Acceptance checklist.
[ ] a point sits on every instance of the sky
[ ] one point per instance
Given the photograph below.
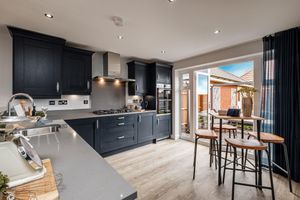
(238, 69)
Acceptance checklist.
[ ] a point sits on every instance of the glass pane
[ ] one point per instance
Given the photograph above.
(185, 104)
(202, 93)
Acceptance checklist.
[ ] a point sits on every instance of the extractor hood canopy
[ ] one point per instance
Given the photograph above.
(111, 68)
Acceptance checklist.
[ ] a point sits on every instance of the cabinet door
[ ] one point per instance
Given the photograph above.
(77, 70)
(86, 128)
(163, 75)
(163, 126)
(137, 71)
(37, 68)
(145, 127)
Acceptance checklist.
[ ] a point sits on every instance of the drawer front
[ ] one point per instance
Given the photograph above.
(119, 119)
(117, 135)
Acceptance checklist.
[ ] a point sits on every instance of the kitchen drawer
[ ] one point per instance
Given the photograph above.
(117, 135)
(119, 119)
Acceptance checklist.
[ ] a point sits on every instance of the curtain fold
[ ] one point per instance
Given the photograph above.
(267, 88)
(287, 97)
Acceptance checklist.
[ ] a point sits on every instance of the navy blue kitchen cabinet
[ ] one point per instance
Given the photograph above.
(37, 62)
(163, 73)
(117, 132)
(139, 72)
(86, 128)
(77, 71)
(145, 127)
(163, 126)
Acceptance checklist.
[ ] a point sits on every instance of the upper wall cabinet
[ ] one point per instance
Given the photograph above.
(137, 71)
(77, 71)
(37, 60)
(162, 72)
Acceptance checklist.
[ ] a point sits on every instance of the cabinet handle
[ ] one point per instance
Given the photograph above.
(97, 124)
(88, 85)
(136, 87)
(157, 121)
(121, 137)
(121, 124)
(57, 86)
(140, 118)
(121, 118)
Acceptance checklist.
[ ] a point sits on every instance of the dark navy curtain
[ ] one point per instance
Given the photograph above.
(267, 88)
(287, 97)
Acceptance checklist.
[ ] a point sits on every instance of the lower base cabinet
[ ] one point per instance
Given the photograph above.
(163, 126)
(86, 128)
(145, 127)
(114, 133)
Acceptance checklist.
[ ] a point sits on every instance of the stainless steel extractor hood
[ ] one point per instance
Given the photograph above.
(111, 68)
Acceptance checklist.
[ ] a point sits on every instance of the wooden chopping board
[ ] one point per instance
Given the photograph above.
(42, 189)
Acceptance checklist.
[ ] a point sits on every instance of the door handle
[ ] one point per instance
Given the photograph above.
(57, 86)
(121, 118)
(121, 124)
(88, 85)
(121, 137)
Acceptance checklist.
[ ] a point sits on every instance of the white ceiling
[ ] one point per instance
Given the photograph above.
(183, 29)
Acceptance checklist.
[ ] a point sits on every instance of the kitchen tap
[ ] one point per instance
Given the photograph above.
(18, 95)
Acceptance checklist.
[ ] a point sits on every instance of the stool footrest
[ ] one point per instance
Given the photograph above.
(250, 185)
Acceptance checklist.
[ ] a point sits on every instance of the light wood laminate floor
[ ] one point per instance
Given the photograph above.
(164, 171)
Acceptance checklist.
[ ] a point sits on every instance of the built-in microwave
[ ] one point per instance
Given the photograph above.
(164, 98)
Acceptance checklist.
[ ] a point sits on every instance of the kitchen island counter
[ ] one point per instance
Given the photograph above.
(86, 175)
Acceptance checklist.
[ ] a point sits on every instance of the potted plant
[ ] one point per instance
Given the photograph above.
(3, 184)
(247, 99)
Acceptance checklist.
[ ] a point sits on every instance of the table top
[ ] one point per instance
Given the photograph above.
(216, 115)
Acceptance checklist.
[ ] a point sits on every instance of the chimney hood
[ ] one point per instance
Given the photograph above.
(111, 68)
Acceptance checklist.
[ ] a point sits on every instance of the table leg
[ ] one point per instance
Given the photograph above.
(259, 155)
(242, 134)
(220, 154)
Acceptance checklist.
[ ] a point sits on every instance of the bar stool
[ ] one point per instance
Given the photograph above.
(212, 136)
(227, 127)
(245, 144)
(275, 139)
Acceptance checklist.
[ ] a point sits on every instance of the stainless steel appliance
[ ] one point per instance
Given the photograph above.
(164, 98)
(112, 111)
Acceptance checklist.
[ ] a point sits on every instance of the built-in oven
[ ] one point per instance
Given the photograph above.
(164, 98)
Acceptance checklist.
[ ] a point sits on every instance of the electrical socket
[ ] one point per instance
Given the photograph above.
(51, 103)
(63, 102)
(85, 101)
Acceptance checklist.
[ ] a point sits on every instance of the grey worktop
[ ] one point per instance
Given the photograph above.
(86, 175)
(81, 114)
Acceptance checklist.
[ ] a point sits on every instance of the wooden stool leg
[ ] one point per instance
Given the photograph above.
(233, 173)
(225, 164)
(270, 173)
(195, 156)
(286, 156)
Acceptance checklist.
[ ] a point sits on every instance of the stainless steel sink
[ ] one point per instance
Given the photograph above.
(36, 131)
(12, 119)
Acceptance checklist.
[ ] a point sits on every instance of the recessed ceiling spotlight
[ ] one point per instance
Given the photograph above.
(217, 31)
(163, 51)
(171, 1)
(48, 15)
(120, 37)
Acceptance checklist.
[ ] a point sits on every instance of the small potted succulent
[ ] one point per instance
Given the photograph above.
(3, 184)
(247, 99)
